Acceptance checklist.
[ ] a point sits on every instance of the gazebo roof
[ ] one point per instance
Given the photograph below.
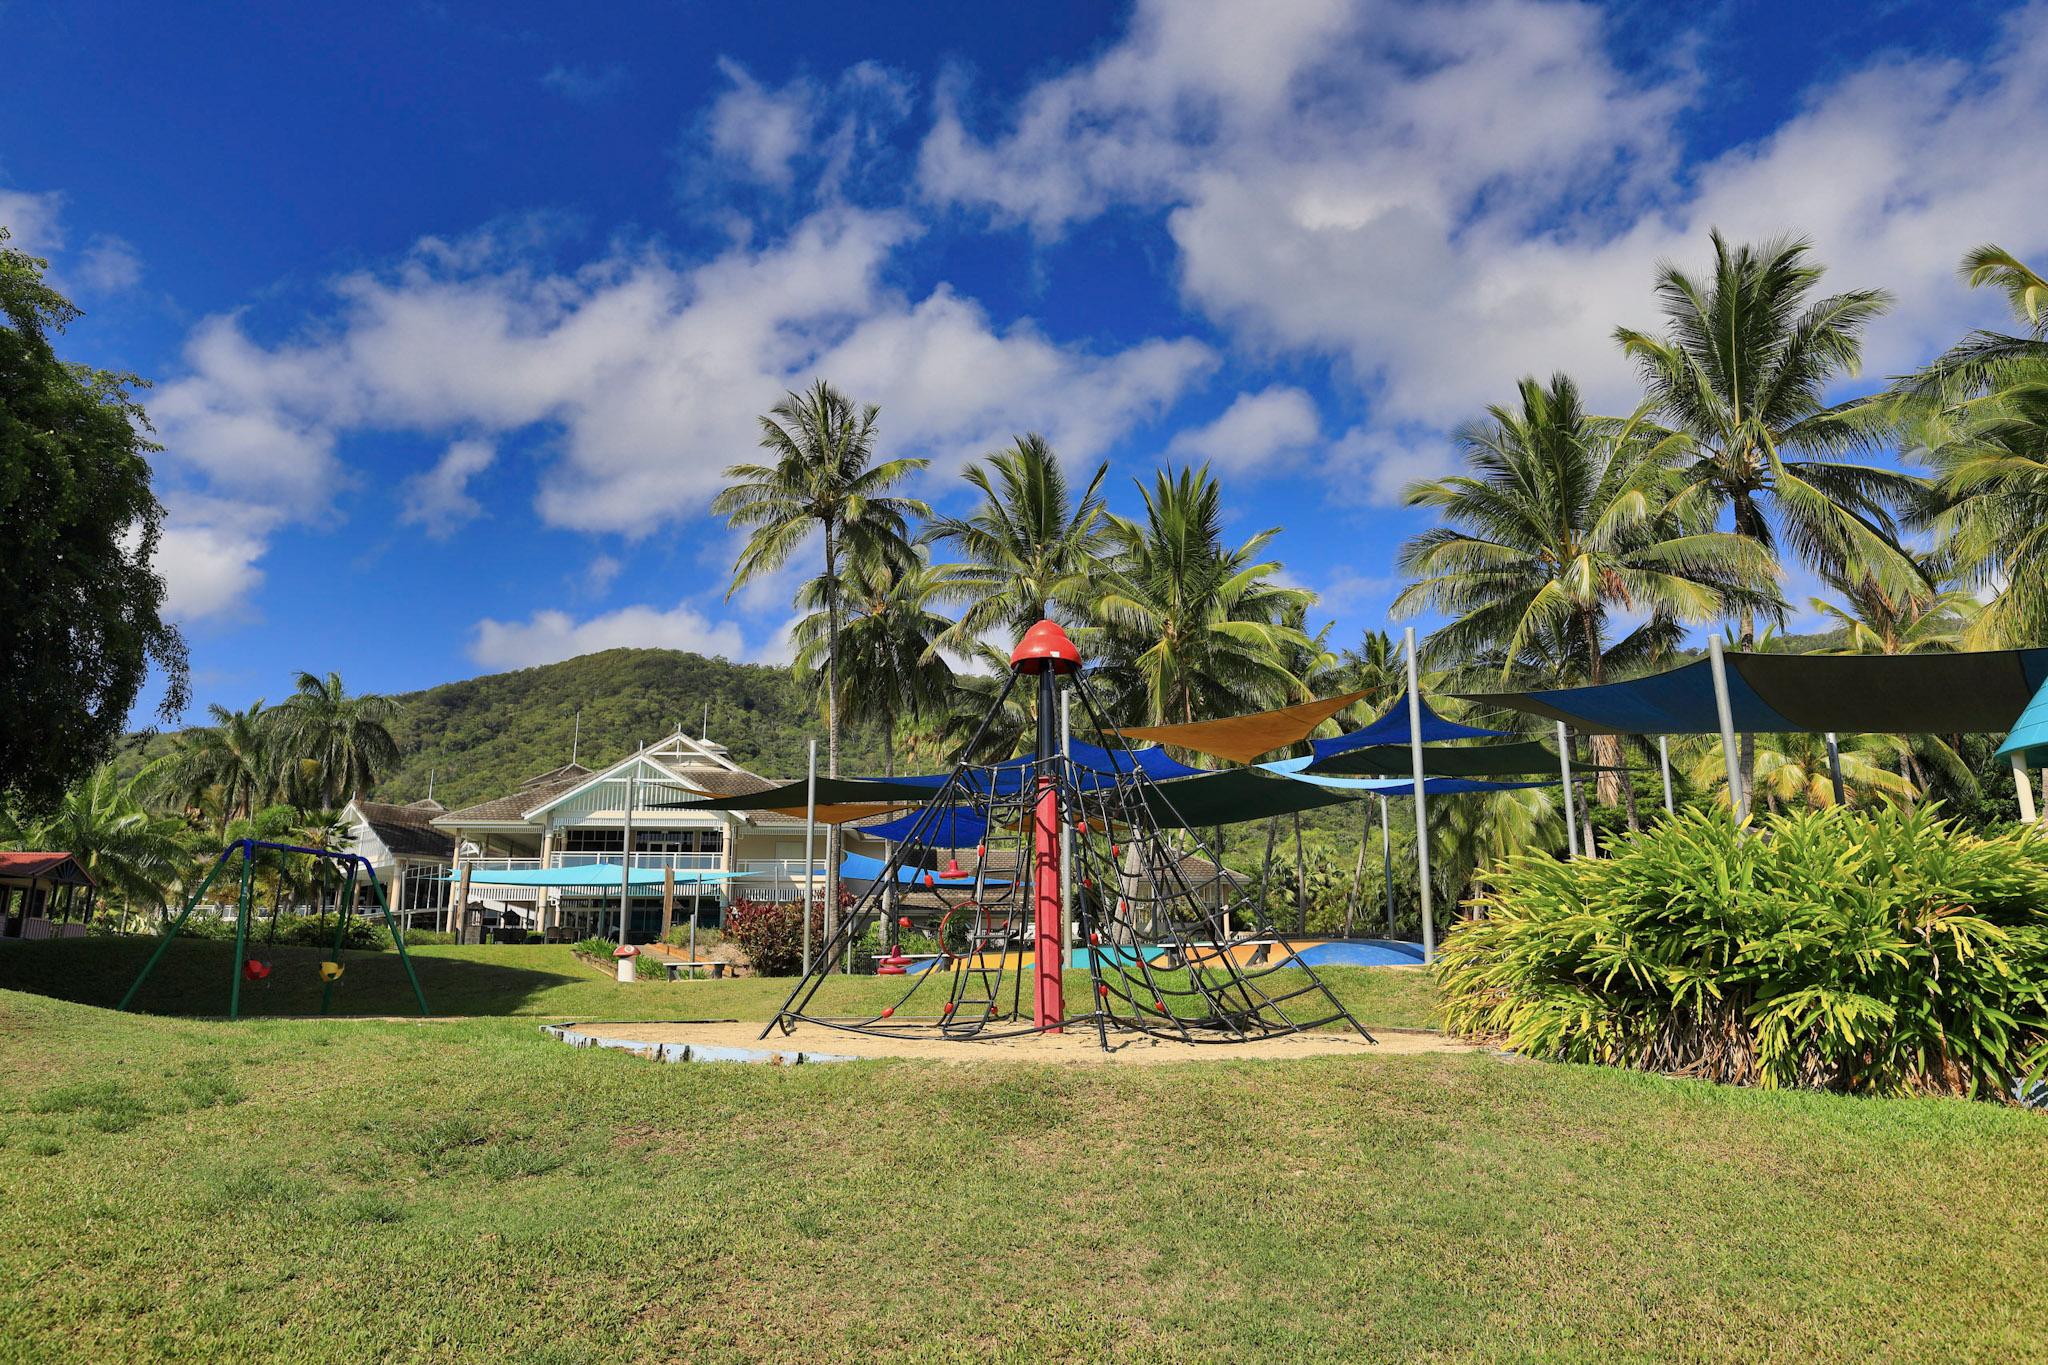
(58, 869)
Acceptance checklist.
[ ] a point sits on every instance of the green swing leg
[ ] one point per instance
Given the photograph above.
(176, 925)
(241, 930)
(397, 939)
(348, 907)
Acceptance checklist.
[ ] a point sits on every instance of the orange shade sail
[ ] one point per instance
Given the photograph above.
(1243, 738)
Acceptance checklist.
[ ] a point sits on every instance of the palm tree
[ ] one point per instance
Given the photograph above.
(1029, 549)
(824, 478)
(342, 744)
(893, 669)
(1377, 669)
(1741, 373)
(1793, 769)
(132, 855)
(233, 761)
(1986, 361)
(1564, 521)
(1193, 627)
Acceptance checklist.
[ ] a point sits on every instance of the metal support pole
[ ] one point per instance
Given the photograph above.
(1421, 799)
(241, 928)
(625, 858)
(2028, 814)
(170, 932)
(810, 850)
(1564, 775)
(1066, 839)
(1664, 761)
(1835, 768)
(1048, 1003)
(1738, 799)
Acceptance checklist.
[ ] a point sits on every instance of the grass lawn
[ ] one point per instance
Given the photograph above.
(355, 1190)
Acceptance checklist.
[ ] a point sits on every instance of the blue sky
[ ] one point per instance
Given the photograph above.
(455, 312)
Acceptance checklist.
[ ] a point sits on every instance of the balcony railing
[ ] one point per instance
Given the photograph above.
(681, 861)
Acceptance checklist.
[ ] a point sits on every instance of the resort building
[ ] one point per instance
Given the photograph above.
(573, 817)
(410, 856)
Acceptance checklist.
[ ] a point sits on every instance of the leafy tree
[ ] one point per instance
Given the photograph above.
(1194, 627)
(1740, 371)
(344, 743)
(1565, 521)
(892, 669)
(824, 479)
(132, 855)
(1029, 550)
(83, 600)
(233, 762)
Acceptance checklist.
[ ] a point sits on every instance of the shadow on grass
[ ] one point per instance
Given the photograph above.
(195, 975)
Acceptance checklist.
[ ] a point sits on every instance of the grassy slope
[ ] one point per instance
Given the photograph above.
(503, 980)
(175, 1188)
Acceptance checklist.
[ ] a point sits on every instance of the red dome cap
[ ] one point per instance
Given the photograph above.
(1045, 645)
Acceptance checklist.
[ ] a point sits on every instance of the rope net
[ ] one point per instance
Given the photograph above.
(1172, 946)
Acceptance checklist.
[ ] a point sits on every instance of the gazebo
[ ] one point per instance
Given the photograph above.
(39, 895)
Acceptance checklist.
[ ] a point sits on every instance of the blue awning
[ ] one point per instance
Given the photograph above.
(1094, 767)
(950, 827)
(1886, 694)
(1431, 786)
(858, 867)
(1394, 728)
(2029, 737)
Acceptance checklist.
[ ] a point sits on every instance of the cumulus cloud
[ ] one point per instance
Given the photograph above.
(817, 136)
(550, 636)
(1448, 201)
(109, 264)
(1256, 429)
(34, 221)
(208, 570)
(646, 371)
(439, 499)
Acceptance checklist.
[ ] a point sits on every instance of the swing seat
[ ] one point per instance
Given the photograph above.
(255, 969)
(330, 971)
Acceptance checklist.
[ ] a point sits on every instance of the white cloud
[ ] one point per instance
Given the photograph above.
(602, 572)
(33, 221)
(817, 136)
(439, 499)
(761, 130)
(550, 636)
(586, 84)
(1256, 429)
(109, 264)
(208, 571)
(1448, 199)
(647, 373)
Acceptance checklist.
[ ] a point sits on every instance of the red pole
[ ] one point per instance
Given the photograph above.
(1046, 651)
(1050, 1004)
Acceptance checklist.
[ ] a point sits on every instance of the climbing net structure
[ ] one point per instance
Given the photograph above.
(1080, 859)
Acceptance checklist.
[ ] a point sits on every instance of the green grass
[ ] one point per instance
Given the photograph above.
(537, 982)
(176, 1188)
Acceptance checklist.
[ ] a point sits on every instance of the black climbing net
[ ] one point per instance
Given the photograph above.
(1173, 947)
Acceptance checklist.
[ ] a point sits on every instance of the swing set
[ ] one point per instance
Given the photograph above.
(252, 968)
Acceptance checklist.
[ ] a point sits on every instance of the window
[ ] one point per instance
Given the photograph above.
(581, 840)
(424, 888)
(664, 841)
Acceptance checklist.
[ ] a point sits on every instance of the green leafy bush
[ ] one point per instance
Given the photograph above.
(595, 947)
(302, 931)
(1882, 952)
(771, 933)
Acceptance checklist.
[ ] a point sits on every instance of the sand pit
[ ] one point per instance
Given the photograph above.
(734, 1041)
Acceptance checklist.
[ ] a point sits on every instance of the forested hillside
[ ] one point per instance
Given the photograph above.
(480, 737)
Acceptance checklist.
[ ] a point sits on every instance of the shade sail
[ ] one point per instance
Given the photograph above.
(2029, 737)
(1521, 759)
(1394, 728)
(1094, 767)
(946, 827)
(858, 867)
(593, 874)
(1243, 738)
(1431, 786)
(1229, 798)
(840, 799)
(1896, 694)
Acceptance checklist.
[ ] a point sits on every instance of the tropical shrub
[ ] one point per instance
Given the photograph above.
(771, 933)
(1878, 952)
(301, 931)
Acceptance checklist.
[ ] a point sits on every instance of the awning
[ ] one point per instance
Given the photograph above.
(1243, 738)
(1893, 694)
(2029, 738)
(950, 827)
(592, 875)
(840, 799)
(1431, 786)
(1233, 797)
(1394, 728)
(858, 867)
(1521, 759)
(1094, 767)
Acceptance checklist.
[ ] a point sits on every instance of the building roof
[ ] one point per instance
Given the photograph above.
(408, 830)
(534, 791)
(57, 868)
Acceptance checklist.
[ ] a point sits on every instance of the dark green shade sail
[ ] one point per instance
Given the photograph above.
(1528, 758)
(1849, 694)
(1232, 797)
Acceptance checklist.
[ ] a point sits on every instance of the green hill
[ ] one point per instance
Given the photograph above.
(478, 738)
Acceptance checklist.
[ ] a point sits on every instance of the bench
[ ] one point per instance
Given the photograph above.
(677, 966)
